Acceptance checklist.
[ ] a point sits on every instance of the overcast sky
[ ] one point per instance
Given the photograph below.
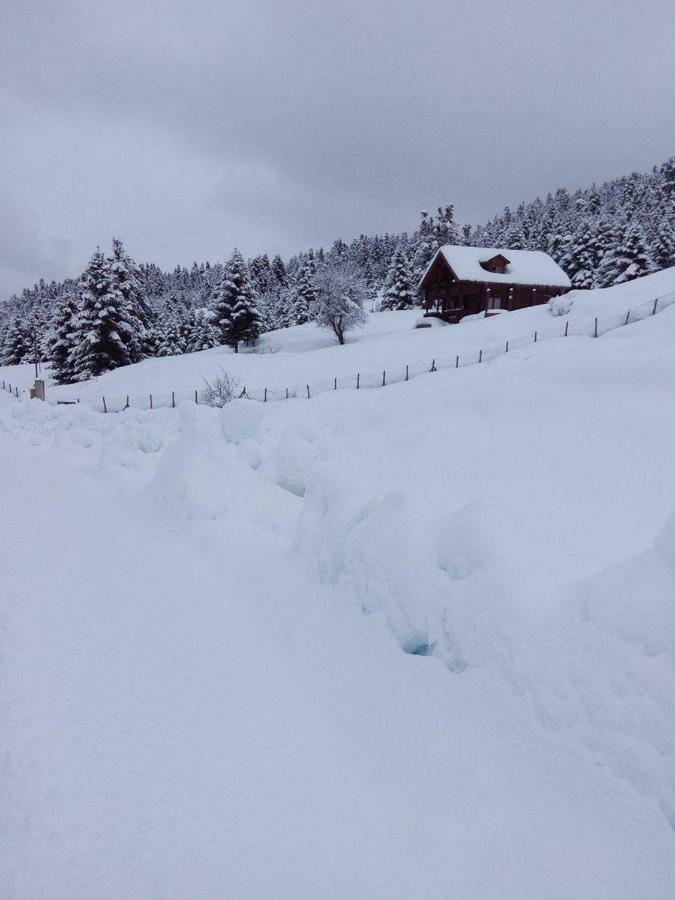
(189, 127)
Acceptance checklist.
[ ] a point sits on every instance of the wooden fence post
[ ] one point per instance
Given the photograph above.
(507, 347)
(384, 378)
(595, 327)
(535, 337)
(196, 399)
(480, 357)
(287, 393)
(567, 325)
(308, 392)
(457, 363)
(173, 399)
(358, 379)
(627, 318)
(16, 392)
(105, 408)
(150, 401)
(433, 365)
(656, 303)
(127, 406)
(265, 397)
(406, 373)
(336, 384)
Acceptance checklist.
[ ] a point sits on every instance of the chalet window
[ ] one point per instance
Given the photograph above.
(496, 264)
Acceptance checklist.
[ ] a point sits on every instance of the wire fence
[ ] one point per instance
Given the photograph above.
(365, 380)
(14, 391)
(564, 328)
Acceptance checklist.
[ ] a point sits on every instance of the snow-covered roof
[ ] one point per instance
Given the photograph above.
(525, 266)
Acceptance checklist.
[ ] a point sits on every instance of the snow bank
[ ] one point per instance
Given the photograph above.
(459, 512)
(562, 306)
(429, 322)
(203, 689)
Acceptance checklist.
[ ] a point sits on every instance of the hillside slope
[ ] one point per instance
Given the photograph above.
(196, 704)
(294, 357)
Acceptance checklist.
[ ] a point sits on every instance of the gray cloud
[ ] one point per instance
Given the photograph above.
(189, 127)
(23, 250)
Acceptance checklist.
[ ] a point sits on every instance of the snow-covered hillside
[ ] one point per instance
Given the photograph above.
(204, 613)
(294, 357)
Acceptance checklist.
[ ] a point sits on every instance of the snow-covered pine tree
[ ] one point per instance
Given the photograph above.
(338, 251)
(514, 239)
(267, 308)
(284, 318)
(185, 328)
(667, 178)
(531, 217)
(169, 336)
(371, 282)
(581, 257)
(558, 244)
(399, 291)
(541, 231)
(200, 335)
(593, 201)
(302, 296)
(153, 280)
(607, 236)
(562, 200)
(63, 340)
(129, 281)
(368, 276)
(426, 244)
(260, 273)
(172, 332)
(35, 330)
(235, 312)
(629, 259)
(221, 308)
(16, 343)
(663, 248)
(445, 228)
(106, 336)
(279, 271)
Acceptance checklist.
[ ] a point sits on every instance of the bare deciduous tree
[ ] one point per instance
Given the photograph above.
(340, 292)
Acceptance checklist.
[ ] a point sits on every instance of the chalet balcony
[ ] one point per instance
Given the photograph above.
(450, 315)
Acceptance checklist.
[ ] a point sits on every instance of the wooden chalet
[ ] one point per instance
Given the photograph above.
(462, 281)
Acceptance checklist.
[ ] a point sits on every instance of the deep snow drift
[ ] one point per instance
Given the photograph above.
(195, 704)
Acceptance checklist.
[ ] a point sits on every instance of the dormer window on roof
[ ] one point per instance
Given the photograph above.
(496, 264)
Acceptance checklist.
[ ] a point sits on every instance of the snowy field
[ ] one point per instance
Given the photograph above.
(204, 615)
